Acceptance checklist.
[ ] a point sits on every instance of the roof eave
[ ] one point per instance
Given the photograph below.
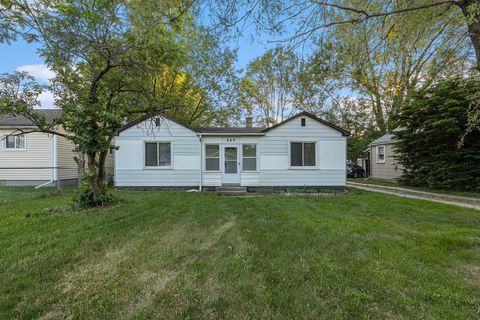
(230, 134)
(382, 143)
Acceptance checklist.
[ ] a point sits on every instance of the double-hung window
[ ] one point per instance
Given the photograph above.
(302, 154)
(14, 142)
(380, 154)
(212, 157)
(158, 154)
(249, 157)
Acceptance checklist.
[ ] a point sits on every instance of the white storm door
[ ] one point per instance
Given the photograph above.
(231, 165)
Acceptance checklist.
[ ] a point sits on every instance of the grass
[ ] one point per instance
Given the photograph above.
(391, 183)
(199, 256)
(25, 193)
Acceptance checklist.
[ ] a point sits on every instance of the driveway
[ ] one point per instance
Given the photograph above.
(466, 202)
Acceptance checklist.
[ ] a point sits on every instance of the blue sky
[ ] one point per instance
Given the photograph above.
(23, 56)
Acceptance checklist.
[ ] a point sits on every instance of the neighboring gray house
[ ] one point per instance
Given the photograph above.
(380, 159)
(160, 151)
(36, 158)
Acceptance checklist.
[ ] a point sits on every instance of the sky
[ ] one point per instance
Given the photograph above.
(22, 56)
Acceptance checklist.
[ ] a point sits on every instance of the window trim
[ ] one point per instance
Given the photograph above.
(205, 157)
(256, 157)
(4, 142)
(145, 167)
(377, 159)
(303, 154)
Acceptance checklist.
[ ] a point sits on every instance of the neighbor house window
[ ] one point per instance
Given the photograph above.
(249, 157)
(14, 141)
(303, 122)
(302, 154)
(381, 154)
(212, 157)
(158, 154)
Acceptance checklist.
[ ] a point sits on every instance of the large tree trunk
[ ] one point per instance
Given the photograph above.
(80, 161)
(471, 11)
(93, 176)
(101, 168)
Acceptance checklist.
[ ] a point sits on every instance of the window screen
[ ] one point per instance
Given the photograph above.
(302, 154)
(151, 154)
(212, 157)
(249, 157)
(15, 142)
(158, 154)
(381, 153)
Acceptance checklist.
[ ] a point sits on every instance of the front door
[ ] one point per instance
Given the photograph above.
(231, 172)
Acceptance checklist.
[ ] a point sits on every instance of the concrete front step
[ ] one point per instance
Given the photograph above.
(231, 191)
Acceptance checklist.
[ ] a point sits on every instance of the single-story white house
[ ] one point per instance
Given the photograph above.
(160, 151)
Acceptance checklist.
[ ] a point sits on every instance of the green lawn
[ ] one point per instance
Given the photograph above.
(200, 256)
(16, 194)
(390, 183)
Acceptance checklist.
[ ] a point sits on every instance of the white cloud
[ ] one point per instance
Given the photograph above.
(40, 71)
(46, 100)
(43, 74)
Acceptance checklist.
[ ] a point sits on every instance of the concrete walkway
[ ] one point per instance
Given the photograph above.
(466, 202)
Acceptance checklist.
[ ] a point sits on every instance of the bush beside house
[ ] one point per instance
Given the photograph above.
(435, 121)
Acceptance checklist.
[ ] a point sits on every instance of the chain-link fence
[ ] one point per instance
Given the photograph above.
(28, 183)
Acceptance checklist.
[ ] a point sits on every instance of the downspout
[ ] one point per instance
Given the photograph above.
(54, 163)
(201, 162)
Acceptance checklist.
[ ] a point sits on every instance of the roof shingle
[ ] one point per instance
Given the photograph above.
(21, 121)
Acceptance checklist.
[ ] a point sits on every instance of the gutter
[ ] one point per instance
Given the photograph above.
(54, 163)
(201, 162)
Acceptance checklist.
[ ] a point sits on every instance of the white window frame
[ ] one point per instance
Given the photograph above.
(4, 142)
(303, 154)
(249, 157)
(158, 155)
(378, 160)
(219, 157)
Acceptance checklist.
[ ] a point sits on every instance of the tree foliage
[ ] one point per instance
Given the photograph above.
(433, 121)
(278, 84)
(382, 62)
(114, 60)
(375, 50)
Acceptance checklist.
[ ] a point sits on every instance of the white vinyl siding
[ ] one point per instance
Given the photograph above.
(390, 169)
(67, 167)
(33, 163)
(195, 161)
(330, 155)
(130, 169)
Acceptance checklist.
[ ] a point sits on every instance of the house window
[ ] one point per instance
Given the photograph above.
(249, 157)
(302, 122)
(14, 141)
(381, 154)
(302, 154)
(158, 154)
(212, 157)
